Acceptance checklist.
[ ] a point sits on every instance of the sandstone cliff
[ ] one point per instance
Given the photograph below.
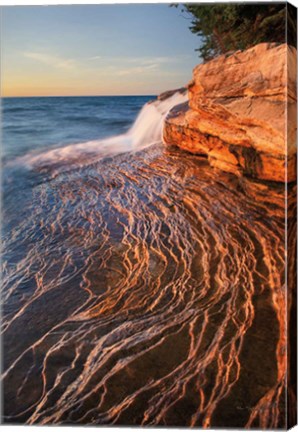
(241, 113)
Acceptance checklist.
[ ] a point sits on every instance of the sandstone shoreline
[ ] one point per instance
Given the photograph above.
(241, 113)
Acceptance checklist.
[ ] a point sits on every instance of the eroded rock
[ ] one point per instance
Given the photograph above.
(242, 113)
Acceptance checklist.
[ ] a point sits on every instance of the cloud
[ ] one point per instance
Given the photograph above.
(156, 60)
(138, 69)
(120, 66)
(140, 65)
(159, 60)
(51, 60)
(95, 58)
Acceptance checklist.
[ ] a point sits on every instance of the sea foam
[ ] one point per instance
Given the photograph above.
(146, 131)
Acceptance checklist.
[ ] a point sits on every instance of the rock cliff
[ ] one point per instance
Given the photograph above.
(241, 113)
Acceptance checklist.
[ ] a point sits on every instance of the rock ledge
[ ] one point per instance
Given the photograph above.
(241, 113)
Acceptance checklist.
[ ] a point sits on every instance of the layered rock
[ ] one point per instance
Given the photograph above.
(241, 113)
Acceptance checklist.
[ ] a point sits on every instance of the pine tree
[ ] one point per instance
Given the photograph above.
(229, 27)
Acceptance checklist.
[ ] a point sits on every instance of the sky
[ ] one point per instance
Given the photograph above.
(77, 50)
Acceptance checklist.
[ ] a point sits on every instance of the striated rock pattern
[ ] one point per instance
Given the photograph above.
(238, 110)
(148, 291)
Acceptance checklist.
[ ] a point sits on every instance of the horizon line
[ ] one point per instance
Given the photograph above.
(37, 96)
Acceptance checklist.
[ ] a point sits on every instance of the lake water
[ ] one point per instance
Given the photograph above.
(140, 286)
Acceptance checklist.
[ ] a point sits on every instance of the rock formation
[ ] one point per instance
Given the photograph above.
(241, 113)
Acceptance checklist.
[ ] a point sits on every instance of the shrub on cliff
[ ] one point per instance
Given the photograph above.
(229, 27)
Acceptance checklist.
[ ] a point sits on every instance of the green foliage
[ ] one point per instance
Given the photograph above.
(291, 25)
(225, 27)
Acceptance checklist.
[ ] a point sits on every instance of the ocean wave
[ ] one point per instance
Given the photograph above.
(146, 130)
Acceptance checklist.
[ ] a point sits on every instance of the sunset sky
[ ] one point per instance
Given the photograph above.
(95, 50)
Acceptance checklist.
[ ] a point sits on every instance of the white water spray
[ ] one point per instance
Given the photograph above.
(146, 130)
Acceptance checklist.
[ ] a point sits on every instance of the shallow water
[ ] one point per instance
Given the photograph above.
(143, 288)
